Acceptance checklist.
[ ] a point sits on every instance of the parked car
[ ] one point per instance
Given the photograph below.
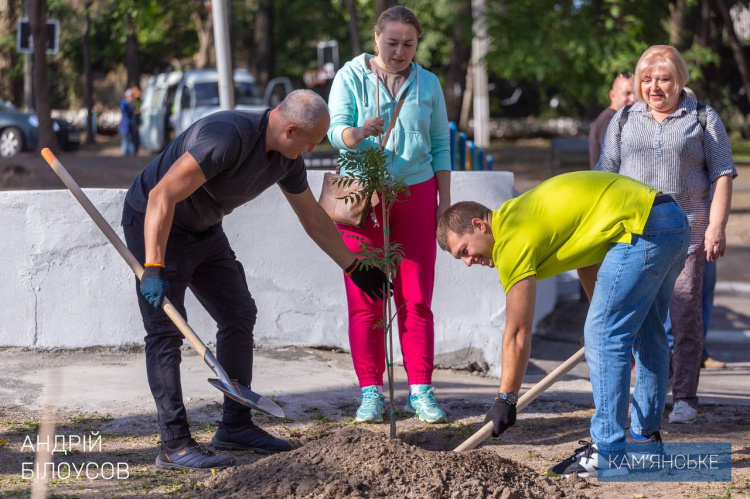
(173, 101)
(20, 131)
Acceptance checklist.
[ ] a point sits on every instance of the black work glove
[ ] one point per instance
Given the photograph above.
(371, 281)
(154, 287)
(502, 415)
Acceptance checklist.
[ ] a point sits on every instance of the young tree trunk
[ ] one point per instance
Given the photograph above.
(38, 21)
(205, 31)
(460, 57)
(263, 62)
(351, 8)
(7, 13)
(734, 42)
(88, 79)
(131, 53)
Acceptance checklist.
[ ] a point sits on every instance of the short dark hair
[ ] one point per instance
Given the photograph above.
(457, 219)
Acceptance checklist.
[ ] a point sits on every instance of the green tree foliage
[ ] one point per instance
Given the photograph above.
(572, 49)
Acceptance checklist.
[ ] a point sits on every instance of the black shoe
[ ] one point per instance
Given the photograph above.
(655, 437)
(192, 456)
(584, 462)
(651, 445)
(248, 437)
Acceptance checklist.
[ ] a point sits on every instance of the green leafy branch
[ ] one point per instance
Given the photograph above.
(370, 168)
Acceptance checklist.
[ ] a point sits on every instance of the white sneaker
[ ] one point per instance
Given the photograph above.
(683, 413)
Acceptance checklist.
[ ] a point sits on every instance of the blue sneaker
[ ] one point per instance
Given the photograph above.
(371, 407)
(424, 405)
(192, 456)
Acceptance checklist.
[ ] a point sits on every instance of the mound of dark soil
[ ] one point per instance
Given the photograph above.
(354, 462)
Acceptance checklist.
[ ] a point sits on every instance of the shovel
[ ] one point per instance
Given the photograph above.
(229, 387)
(486, 431)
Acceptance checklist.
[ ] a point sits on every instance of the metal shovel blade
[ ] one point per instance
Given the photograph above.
(246, 396)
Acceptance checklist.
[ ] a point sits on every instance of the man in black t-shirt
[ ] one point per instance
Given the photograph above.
(621, 94)
(172, 222)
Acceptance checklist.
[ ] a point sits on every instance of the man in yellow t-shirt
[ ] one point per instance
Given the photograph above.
(628, 243)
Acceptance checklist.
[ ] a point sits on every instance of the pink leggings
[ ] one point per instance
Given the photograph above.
(413, 225)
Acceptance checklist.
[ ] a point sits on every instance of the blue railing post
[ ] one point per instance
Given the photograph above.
(480, 159)
(462, 151)
(490, 162)
(453, 130)
(471, 156)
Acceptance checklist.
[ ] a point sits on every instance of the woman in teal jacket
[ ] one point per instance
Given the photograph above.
(418, 150)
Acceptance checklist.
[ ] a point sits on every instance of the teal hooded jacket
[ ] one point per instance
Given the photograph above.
(419, 144)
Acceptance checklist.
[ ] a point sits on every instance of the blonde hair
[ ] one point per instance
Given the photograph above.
(664, 57)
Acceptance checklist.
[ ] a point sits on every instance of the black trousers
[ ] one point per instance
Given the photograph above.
(205, 263)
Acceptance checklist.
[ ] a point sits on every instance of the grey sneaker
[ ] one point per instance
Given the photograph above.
(683, 413)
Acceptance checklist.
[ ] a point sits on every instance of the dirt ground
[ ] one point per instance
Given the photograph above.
(335, 458)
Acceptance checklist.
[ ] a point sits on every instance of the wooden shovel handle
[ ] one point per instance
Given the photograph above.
(486, 431)
(123, 250)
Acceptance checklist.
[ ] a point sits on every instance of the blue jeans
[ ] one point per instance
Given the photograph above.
(127, 146)
(627, 313)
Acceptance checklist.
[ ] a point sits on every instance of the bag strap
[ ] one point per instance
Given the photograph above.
(701, 109)
(395, 116)
(624, 116)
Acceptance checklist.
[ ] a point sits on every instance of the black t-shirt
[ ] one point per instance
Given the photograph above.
(230, 147)
(597, 133)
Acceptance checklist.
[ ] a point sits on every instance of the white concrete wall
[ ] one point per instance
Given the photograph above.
(63, 285)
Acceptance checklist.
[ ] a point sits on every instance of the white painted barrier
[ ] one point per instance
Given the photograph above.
(64, 286)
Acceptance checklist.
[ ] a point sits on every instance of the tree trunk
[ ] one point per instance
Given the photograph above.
(205, 31)
(88, 79)
(463, 122)
(7, 13)
(679, 26)
(262, 63)
(131, 53)
(38, 21)
(734, 42)
(351, 8)
(382, 5)
(702, 38)
(460, 56)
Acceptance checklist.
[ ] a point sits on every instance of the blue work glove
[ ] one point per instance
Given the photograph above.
(153, 285)
(503, 416)
(371, 281)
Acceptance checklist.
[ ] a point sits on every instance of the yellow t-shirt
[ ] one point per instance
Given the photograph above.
(566, 223)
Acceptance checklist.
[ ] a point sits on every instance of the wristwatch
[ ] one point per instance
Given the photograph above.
(510, 398)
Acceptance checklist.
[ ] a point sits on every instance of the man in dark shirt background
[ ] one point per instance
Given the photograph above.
(172, 222)
(622, 94)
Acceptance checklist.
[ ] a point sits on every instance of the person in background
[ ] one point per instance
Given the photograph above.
(663, 144)
(418, 151)
(136, 118)
(127, 124)
(621, 94)
(709, 285)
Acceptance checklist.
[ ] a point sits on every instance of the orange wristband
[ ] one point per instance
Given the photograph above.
(161, 265)
(349, 274)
